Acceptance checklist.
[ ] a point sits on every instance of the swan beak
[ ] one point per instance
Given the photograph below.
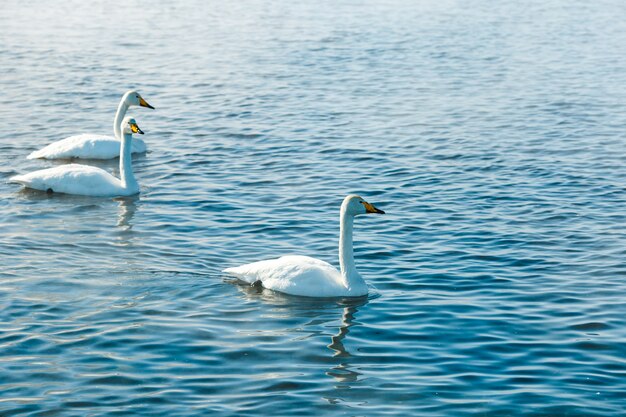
(144, 103)
(135, 128)
(369, 208)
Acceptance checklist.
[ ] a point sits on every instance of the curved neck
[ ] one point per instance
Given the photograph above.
(126, 169)
(119, 115)
(346, 256)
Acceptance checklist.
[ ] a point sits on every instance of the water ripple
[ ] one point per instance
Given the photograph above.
(491, 134)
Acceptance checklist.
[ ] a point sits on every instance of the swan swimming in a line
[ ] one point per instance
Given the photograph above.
(91, 146)
(88, 180)
(310, 277)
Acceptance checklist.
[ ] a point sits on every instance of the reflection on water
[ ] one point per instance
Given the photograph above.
(346, 321)
(127, 208)
(487, 128)
(315, 313)
(343, 372)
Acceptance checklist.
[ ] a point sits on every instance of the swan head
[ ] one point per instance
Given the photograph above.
(133, 98)
(129, 126)
(355, 205)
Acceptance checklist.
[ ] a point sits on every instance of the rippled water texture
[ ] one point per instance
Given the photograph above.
(492, 134)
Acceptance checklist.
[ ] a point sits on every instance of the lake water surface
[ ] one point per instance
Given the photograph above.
(492, 133)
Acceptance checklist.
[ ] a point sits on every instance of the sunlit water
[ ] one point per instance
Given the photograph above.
(492, 135)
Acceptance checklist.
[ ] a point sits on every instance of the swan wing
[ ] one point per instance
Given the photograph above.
(293, 274)
(138, 146)
(72, 179)
(86, 146)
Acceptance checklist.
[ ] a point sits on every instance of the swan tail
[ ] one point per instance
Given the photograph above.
(240, 272)
(233, 271)
(19, 179)
(36, 154)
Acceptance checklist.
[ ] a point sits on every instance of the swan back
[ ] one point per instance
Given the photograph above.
(295, 275)
(73, 179)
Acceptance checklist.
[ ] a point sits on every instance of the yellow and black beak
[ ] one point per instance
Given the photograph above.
(144, 103)
(135, 129)
(369, 208)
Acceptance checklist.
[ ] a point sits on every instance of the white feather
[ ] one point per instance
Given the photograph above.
(86, 146)
(294, 274)
(88, 180)
(310, 277)
(90, 146)
(73, 179)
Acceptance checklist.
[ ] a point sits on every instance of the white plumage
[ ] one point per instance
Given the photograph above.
(91, 146)
(86, 146)
(294, 274)
(74, 179)
(310, 277)
(88, 180)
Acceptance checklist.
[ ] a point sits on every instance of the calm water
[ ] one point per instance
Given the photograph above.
(492, 135)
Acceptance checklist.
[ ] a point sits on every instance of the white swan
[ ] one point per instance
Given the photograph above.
(310, 277)
(89, 180)
(90, 146)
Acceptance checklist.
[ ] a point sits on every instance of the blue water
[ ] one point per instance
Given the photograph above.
(492, 133)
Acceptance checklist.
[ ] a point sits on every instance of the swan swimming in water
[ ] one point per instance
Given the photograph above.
(310, 277)
(90, 146)
(88, 180)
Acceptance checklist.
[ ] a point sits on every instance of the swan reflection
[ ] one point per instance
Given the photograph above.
(343, 372)
(337, 340)
(318, 314)
(127, 208)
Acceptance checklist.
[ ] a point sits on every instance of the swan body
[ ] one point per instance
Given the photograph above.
(296, 275)
(74, 179)
(91, 146)
(88, 180)
(86, 146)
(310, 277)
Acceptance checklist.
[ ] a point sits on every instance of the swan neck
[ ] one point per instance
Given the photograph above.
(122, 108)
(346, 254)
(126, 169)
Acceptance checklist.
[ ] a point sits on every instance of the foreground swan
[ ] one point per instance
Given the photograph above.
(310, 277)
(89, 180)
(90, 146)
